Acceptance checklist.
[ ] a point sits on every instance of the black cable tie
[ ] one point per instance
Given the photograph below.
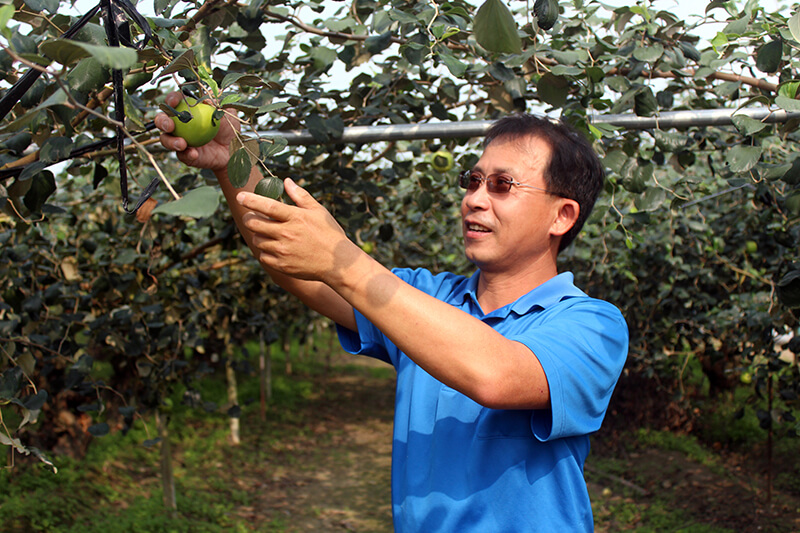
(16, 91)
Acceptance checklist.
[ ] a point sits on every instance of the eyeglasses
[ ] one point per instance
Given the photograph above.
(495, 183)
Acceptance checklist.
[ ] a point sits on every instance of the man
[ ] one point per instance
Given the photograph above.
(501, 376)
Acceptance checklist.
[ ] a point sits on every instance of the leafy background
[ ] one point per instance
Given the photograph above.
(104, 315)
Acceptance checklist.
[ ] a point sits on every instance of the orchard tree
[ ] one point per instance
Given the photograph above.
(105, 300)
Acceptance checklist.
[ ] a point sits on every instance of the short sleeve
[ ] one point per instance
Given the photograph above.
(582, 347)
(368, 340)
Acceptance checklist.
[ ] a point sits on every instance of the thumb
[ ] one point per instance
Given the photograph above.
(300, 196)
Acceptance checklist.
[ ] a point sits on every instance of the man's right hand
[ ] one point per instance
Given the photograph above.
(213, 155)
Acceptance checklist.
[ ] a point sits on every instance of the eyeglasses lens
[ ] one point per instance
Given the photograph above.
(471, 181)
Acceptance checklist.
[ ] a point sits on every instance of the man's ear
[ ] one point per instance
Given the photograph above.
(567, 215)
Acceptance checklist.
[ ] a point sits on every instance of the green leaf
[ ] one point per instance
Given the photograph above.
(10, 383)
(55, 149)
(769, 56)
(649, 54)
(719, 41)
(794, 26)
(88, 75)
(36, 401)
(6, 15)
(43, 185)
(183, 61)
(689, 51)
(239, 167)
(793, 203)
(99, 430)
(789, 289)
(323, 57)
(792, 175)
(789, 104)
(197, 203)
(40, 5)
(271, 147)
(377, 43)
(668, 141)
(569, 57)
(747, 125)
(66, 55)
(25, 361)
(456, 67)
(66, 52)
(743, 158)
(495, 29)
(789, 89)
(206, 75)
(553, 90)
(270, 187)
(645, 103)
(275, 106)
(243, 79)
(232, 99)
(738, 26)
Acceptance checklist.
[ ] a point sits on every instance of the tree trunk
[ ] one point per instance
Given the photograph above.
(331, 332)
(265, 375)
(167, 477)
(287, 347)
(769, 439)
(233, 400)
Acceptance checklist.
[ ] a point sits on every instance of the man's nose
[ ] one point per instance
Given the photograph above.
(477, 197)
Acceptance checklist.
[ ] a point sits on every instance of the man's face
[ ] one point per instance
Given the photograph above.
(507, 232)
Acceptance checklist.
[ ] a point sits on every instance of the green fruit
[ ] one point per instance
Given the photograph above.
(166, 405)
(134, 81)
(546, 12)
(746, 378)
(442, 161)
(368, 247)
(751, 246)
(201, 128)
(269, 187)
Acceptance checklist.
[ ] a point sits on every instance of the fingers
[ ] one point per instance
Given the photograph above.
(173, 99)
(299, 195)
(257, 223)
(167, 126)
(269, 208)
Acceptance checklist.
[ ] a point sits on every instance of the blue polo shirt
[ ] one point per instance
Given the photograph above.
(460, 467)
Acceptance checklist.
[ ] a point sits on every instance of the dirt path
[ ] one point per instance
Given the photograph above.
(335, 475)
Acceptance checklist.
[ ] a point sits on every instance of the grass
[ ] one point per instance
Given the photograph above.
(116, 488)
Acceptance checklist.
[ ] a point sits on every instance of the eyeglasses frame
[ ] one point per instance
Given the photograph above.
(484, 179)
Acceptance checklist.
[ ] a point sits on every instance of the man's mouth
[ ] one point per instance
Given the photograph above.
(471, 226)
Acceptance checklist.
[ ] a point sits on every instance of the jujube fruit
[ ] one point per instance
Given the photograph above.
(202, 127)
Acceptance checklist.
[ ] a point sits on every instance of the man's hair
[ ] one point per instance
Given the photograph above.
(574, 170)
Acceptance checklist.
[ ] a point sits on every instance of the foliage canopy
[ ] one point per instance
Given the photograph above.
(85, 287)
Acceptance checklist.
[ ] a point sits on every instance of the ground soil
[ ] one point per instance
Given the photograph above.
(334, 475)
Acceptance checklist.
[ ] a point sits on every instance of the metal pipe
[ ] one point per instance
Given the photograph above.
(391, 132)
(478, 128)
(689, 118)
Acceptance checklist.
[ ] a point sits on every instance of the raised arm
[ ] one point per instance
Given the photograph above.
(215, 156)
(304, 241)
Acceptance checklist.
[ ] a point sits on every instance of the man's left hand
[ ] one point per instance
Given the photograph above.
(302, 240)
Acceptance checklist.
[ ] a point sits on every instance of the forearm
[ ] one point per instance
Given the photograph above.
(458, 349)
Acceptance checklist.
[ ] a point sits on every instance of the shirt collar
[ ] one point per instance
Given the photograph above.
(548, 293)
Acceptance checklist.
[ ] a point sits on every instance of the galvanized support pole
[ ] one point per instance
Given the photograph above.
(478, 128)
(690, 118)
